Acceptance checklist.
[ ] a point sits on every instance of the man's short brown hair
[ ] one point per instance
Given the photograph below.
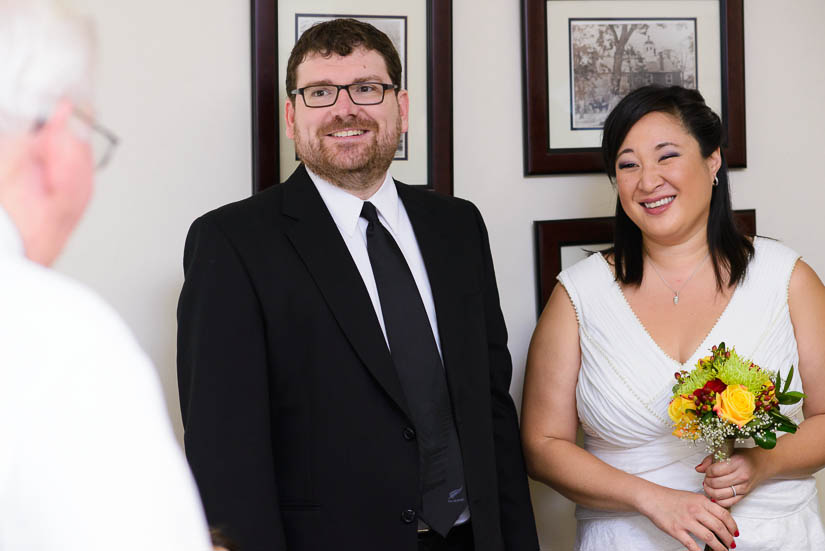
(341, 36)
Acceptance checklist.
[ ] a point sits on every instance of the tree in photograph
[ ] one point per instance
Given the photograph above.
(587, 62)
(617, 41)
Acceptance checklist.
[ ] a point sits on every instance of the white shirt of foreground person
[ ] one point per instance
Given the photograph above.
(88, 460)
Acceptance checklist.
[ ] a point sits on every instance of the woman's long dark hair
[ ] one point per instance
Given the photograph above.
(728, 247)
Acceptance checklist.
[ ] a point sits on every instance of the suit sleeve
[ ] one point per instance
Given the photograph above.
(224, 391)
(518, 525)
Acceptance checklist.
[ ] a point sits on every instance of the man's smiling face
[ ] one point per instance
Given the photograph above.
(349, 145)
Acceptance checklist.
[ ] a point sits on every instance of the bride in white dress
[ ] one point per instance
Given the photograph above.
(607, 346)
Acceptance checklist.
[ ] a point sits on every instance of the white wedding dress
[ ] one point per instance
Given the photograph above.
(623, 391)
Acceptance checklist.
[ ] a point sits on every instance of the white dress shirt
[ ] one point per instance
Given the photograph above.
(345, 209)
(88, 460)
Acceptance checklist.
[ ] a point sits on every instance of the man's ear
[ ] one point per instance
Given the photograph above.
(60, 118)
(404, 109)
(50, 139)
(289, 116)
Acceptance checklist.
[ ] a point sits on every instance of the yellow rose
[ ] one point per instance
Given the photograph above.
(678, 409)
(682, 412)
(735, 404)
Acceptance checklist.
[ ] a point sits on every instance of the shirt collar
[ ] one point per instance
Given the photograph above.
(10, 240)
(345, 208)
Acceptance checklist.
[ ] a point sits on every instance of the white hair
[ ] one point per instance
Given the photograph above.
(46, 54)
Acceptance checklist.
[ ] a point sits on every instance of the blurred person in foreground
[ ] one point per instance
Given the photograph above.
(88, 460)
(342, 356)
(680, 278)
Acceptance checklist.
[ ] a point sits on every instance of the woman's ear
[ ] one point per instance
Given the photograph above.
(714, 161)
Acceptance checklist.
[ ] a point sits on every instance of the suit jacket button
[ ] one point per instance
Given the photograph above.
(409, 433)
(408, 516)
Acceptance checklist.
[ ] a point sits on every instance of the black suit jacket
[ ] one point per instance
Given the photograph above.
(296, 427)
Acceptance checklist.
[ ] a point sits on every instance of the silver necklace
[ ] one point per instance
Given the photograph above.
(676, 291)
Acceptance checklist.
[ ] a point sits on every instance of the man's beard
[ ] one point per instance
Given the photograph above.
(356, 167)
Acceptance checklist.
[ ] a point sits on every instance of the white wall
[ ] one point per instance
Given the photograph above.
(174, 84)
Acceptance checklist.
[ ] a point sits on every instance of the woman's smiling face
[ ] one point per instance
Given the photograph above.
(664, 183)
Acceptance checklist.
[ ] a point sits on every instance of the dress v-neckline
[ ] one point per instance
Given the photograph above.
(702, 345)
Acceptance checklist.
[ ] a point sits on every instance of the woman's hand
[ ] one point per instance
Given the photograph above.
(680, 514)
(727, 482)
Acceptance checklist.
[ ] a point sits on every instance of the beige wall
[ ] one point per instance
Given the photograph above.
(174, 83)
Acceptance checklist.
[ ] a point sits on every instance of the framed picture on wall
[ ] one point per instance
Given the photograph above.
(581, 57)
(422, 35)
(562, 243)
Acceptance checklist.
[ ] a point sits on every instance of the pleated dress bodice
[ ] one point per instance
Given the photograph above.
(625, 384)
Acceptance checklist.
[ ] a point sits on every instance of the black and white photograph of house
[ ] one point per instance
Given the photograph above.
(611, 57)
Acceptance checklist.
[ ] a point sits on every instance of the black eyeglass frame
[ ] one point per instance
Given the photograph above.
(339, 87)
(111, 138)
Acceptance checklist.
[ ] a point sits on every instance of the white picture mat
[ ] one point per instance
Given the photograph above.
(414, 170)
(559, 12)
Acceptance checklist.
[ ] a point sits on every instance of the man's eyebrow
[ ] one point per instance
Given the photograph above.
(369, 78)
(323, 82)
(328, 82)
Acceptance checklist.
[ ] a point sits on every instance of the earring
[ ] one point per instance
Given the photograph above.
(715, 181)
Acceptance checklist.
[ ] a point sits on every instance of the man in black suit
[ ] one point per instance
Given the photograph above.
(342, 356)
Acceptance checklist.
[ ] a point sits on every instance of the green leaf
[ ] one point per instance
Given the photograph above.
(782, 418)
(784, 427)
(778, 386)
(708, 416)
(792, 397)
(766, 440)
(787, 381)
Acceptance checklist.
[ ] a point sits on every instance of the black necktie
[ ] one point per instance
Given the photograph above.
(422, 377)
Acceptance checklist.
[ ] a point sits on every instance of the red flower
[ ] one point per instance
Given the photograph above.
(715, 385)
(707, 394)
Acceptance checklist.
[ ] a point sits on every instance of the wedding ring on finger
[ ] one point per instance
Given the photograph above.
(734, 492)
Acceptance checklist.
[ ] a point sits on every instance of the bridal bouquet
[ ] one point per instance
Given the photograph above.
(726, 398)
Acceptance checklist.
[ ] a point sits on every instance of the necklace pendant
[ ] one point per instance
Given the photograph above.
(676, 298)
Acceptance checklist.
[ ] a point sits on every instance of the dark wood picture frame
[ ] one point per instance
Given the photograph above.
(552, 235)
(266, 104)
(539, 158)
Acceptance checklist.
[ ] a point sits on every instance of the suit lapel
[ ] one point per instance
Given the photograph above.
(445, 280)
(319, 244)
